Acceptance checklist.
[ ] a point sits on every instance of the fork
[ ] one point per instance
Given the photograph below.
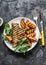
(35, 18)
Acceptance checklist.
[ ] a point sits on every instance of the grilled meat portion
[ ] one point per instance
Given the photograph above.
(17, 33)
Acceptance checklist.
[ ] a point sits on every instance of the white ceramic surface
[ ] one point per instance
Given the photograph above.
(17, 20)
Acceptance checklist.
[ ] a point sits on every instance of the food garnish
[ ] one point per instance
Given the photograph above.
(8, 30)
(22, 45)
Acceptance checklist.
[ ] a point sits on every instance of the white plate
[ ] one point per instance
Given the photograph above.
(17, 20)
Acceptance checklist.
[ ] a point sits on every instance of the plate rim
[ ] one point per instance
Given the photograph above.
(29, 48)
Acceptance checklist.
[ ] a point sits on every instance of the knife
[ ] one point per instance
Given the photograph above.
(42, 30)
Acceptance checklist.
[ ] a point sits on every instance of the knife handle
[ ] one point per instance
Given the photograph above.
(42, 36)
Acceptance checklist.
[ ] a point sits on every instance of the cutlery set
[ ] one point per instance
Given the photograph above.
(41, 36)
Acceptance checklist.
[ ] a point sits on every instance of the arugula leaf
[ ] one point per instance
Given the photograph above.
(24, 47)
(23, 50)
(18, 47)
(10, 33)
(7, 29)
(7, 25)
(4, 37)
(22, 41)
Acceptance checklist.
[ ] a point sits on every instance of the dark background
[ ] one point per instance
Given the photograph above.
(10, 9)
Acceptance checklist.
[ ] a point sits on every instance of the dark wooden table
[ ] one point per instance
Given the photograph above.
(10, 9)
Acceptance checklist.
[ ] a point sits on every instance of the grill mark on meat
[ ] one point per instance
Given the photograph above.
(17, 33)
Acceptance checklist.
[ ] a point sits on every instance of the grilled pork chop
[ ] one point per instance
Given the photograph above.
(17, 33)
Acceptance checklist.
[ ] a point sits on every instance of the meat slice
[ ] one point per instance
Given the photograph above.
(17, 33)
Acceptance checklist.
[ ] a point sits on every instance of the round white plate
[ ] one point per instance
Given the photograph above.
(17, 20)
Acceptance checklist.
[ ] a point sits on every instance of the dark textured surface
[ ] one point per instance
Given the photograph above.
(10, 9)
